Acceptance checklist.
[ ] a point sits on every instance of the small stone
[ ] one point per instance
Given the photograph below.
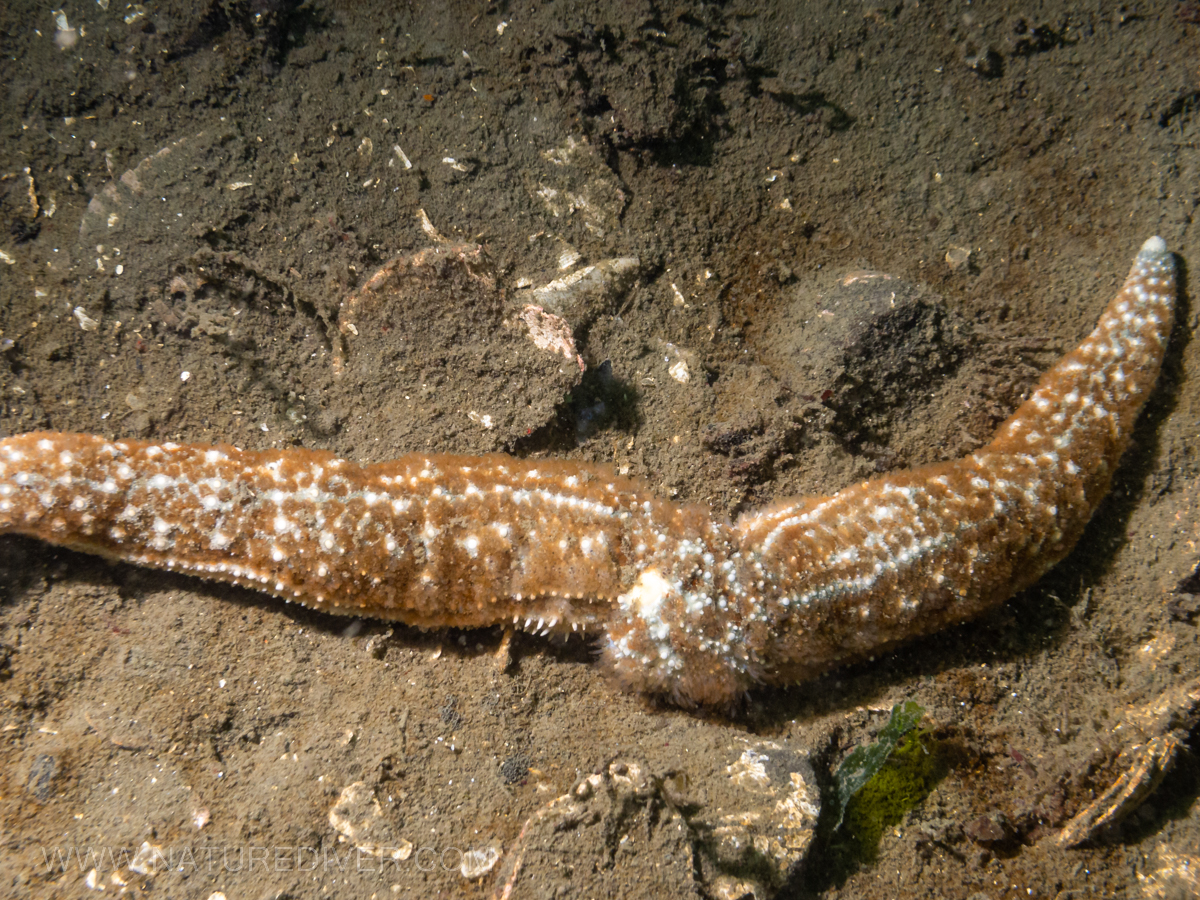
(40, 782)
(958, 258)
(988, 829)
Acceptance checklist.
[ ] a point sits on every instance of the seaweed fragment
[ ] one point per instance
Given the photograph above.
(865, 761)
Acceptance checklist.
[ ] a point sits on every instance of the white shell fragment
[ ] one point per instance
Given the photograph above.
(551, 332)
(576, 184)
(147, 859)
(86, 322)
(679, 361)
(359, 820)
(477, 863)
(582, 295)
(958, 258)
(65, 37)
(428, 228)
(567, 257)
(31, 192)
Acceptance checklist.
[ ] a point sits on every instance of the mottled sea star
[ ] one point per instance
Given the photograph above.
(691, 606)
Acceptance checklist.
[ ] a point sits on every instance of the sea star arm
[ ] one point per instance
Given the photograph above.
(431, 540)
(822, 581)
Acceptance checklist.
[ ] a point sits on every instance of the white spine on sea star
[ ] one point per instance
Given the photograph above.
(691, 606)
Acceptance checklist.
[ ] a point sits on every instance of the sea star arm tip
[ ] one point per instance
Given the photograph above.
(1153, 248)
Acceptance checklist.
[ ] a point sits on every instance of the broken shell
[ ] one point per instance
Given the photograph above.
(588, 292)
(400, 155)
(958, 258)
(551, 332)
(477, 863)
(86, 322)
(576, 183)
(679, 371)
(147, 859)
(1156, 731)
(359, 819)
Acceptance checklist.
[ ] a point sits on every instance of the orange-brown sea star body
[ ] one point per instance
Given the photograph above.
(690, 605)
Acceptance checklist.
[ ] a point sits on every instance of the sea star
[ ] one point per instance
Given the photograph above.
(692, 606)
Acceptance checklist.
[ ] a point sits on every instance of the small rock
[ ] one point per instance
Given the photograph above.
(988, 829)
(41, 777)
(958, 258)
